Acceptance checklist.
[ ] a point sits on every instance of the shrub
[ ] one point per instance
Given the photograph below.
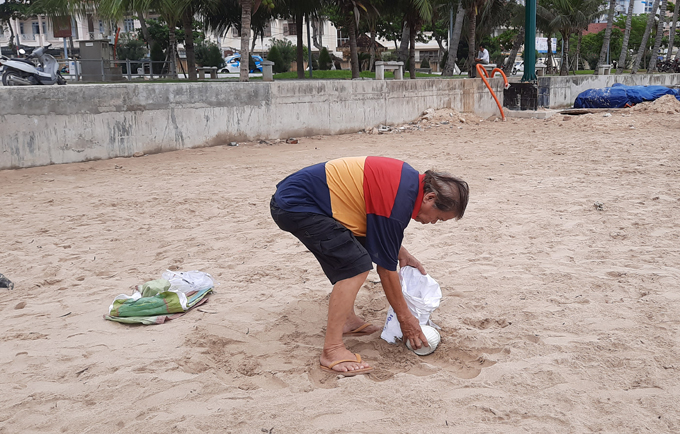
(157, 55)
(287, 50)
(275, 56)
(324, 60)
(208, 54)
(425, 63)
(130, 49)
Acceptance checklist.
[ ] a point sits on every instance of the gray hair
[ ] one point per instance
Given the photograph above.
(452, 193)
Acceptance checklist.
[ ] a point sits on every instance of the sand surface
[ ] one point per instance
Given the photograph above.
(561, 306)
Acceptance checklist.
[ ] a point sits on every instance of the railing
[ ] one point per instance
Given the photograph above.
(30, 37)
(96, 70)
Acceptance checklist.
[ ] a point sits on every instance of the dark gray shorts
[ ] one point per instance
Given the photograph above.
(340, 253)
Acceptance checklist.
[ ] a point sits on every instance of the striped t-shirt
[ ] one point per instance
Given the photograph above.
(374, 197)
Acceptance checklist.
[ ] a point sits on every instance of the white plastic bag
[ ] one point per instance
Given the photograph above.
(188, 281)
(422, 294)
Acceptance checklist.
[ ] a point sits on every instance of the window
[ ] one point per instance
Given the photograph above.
(341, 38)
(21, 28)
(268, 29)
(36, 28)
(101, 27)
(128, 25)
(289, 28)
(235, 33)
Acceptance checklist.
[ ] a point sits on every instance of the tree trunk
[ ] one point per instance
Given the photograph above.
(472, 46)
(564, 67)
(145, 30)
(412, 51)
(403, 44)
(187, 22)
(645, 37)
(316, 23)
(626, 37)
(353, 52)
(607, 36)
(671, 36)
(246, 15)
(578, 51)
(657, 41)
(300, 46)
(11, 32)
(519, 39)
(172, 40)
(455, 40)
(372, 49)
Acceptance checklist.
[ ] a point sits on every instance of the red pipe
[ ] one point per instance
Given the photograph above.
(482, 73)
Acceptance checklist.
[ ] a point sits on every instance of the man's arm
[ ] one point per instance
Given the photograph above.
(410, 326)
(405, 258)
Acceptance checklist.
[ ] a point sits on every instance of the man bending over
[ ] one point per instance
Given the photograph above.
(352, 212)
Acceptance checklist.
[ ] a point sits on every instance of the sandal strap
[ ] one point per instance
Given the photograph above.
(358, 360)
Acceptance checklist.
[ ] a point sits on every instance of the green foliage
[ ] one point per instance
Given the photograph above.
(157, 55)
(325, 60)
(287, 52)
(389, 56)
(208, 54)
(159, 32)
(506, 39)
(130, 49)
(425, 63)
(279, 64)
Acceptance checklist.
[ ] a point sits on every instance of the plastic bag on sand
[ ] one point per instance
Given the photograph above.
(422, 294)
(188, 281)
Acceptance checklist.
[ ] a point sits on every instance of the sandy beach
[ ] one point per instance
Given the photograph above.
(560, 309)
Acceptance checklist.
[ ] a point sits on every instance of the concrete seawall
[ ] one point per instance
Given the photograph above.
(65, 124)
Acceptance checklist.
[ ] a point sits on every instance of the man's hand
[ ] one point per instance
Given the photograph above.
(405, 258)
(413, 334)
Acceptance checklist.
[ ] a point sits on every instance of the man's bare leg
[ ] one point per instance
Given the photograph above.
(340, 307)
(354, 322)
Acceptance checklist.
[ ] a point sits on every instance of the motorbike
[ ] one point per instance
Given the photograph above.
(22, 72)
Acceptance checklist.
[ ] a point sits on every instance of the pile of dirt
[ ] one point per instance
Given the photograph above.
(666, 104)
(429, 118)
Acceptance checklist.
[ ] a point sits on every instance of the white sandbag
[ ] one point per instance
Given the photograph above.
(188, 281)
(422, 294)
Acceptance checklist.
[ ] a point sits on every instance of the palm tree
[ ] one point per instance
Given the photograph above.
(671, 37)
(645, 37)
(455, 40)
(626, 37)
(351, 10)
(568, 17)
(416, 12)
(607, 35)
(657, 40)
(298, 9)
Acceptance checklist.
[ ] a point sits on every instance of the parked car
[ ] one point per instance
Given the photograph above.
(518, 67)
(233, 64)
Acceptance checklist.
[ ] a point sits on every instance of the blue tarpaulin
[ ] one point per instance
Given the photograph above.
(620, 95)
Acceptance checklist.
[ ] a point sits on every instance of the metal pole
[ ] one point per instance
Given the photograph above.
(309, 47)
(530, 41)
